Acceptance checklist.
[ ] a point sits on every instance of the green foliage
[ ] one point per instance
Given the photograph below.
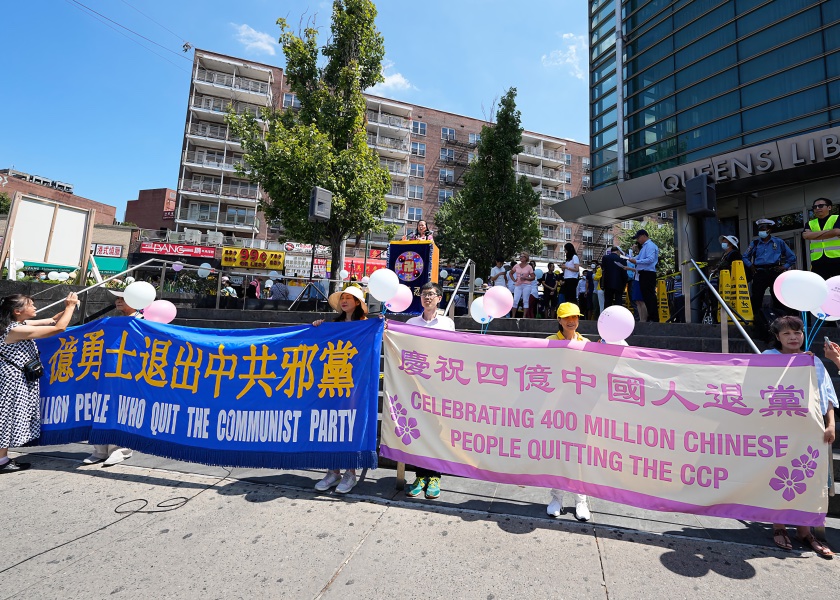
(324, 142)
(662, 235)
(5, 203)
(495, 213)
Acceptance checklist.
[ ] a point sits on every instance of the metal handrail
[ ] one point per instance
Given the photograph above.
(725, 307)
(458, 286)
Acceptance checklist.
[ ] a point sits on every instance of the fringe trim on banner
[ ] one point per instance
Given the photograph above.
(258, 459)
(58, 437)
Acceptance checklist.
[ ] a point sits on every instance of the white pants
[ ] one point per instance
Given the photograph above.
(558, 495)
(600, 293)
(106, 450)
(522, 292)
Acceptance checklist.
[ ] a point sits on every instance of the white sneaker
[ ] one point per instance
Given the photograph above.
(555, 508)
(327, 482)
(93, 459)
(117, 456)
(582, 510)
(348, 482)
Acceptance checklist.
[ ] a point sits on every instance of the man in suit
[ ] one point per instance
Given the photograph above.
(613, 277)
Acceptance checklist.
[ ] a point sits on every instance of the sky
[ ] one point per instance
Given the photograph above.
(99, 101)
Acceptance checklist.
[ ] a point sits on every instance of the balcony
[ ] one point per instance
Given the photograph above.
(204, 189)
(208, 80)
(549, 214)
(388, 146)
(553, 235)
(210, 162)
(388, 120)
(212, 105)
(397, 190)
(394, 167)
(212, 134)
(213, 218)
(552, 195)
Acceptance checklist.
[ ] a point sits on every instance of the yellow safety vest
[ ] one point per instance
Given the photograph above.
(831, 248)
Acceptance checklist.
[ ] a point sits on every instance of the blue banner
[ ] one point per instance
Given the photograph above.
(293, 398)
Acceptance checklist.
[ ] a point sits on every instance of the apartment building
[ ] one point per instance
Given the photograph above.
(426, 151)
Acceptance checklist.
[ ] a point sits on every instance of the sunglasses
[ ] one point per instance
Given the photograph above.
(820, 206)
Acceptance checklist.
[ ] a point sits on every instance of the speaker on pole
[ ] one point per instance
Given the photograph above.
(320, 205)
(700, 196)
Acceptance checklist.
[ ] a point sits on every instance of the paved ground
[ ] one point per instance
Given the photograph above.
(76, 531)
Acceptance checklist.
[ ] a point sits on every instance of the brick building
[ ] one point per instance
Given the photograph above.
(12, 181)
(153, 209)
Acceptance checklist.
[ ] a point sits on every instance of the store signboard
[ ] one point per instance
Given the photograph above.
(177, 250)
(107, 250)
(252, 258)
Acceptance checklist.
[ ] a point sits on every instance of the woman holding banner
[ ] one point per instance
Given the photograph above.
(788, 334)
(568, 316)
(350, 303)
(20, 370)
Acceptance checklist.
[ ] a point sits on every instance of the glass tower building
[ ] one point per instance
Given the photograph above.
(692, 79)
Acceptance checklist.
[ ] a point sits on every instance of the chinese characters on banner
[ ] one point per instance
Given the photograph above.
(737, 436)
(298, 397)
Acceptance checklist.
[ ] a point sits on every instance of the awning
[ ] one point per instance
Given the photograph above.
(110, 265)
(29, 265)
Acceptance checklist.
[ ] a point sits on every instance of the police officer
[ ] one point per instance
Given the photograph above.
(767, 257)
(824, 239)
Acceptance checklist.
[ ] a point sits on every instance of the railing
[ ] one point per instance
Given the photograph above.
(528, 169)
(220, 105)
(387, 119)
(393, 166)
(228, 189)
(201, 158)
(549, 214)
(551, 254)
(228, 80)
(212, 217)
(212, 130)
(387, 142)
(549, 234)
(552, 195)
(397, 190)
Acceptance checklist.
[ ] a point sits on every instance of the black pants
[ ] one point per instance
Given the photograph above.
(612, 296)
(569, 289)
(762, 280)
(647, 282)
(826, 267)
(420, 472)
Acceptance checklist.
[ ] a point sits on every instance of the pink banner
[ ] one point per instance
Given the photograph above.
(737, 436)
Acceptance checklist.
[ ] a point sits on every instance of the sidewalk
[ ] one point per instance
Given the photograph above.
(262, 533)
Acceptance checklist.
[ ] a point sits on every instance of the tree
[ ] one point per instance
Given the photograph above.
(5, 203)
(494, 214)
(662, 235)
(324, 143)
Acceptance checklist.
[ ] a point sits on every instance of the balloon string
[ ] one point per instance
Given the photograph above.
(805, 326)
(817, 327)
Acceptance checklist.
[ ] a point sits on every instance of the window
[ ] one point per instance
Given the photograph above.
(566, 177)
(585, 181)
(418, 128)
(447, 154)
(608, 239)
(470, 156)
(475, 138)
(567, 194)
(415, 213)
(444, 195)
(664, 215)
(417, 170)
(415, 192)
(627, 225)
(447, 133)
(566, 159)
(588, 237)
(588, 255)
(585, 162)
(290, 101)
(447, 176)
(566, 233)
(418, 149)
(393, 212)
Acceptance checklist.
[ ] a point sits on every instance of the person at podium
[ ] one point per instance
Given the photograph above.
(422, 232)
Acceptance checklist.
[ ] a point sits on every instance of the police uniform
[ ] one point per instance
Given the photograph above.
(768, 258)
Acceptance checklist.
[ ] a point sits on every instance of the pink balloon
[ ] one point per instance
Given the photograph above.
(498, 301)
(401, 300)
(777, 286)
(615, 324)
(831, 306)
(160, 311)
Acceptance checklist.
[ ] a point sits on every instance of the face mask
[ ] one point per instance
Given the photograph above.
(763, 234)
(724, 245)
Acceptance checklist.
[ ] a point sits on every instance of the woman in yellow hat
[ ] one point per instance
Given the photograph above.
(350, 304)
(568, 316)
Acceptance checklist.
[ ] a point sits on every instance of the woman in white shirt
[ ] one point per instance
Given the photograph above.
(571, 273)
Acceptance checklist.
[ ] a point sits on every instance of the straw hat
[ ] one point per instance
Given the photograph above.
(354, 291)
(568, 309)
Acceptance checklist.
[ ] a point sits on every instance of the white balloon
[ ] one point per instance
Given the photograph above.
(479, 282)
(139, 295)
(444, 274)
(821, 315)
(268, 283)
(343, 274)
(365, 280)
(52, 276)
(21, 275)
(383, 284)
(477, 311)
(804, 290)
(129, 280)
(19, 265)
(63, 276)
(616, 323)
